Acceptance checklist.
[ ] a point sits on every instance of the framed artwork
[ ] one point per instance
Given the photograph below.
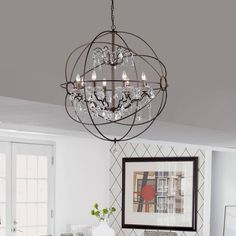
(230, 221)
(160, 193)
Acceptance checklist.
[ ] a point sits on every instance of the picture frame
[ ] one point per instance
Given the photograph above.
(229, 220)
(160, 193)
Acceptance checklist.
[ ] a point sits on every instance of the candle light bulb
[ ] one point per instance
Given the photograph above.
(104, 83)
(78, 79)
(124, 75)
(82, 82)
(127, 83)
(94, 75)
(144, 78)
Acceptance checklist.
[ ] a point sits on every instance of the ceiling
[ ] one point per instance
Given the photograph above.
(195, 39)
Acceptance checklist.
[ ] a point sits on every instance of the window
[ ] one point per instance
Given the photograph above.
(29, 185)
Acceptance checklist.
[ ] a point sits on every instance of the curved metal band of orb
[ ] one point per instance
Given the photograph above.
(104, 110)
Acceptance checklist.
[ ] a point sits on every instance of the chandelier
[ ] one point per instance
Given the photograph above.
(112, 86)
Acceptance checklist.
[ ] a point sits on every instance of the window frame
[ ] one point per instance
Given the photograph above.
(11, 187)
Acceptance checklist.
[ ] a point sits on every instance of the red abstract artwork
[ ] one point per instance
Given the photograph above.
(158, 192)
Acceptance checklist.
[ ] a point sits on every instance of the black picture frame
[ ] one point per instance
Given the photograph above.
(143, 160)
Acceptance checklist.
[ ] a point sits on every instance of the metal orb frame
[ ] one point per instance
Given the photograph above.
(159, 86)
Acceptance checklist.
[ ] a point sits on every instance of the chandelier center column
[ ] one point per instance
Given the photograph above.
(113, 71)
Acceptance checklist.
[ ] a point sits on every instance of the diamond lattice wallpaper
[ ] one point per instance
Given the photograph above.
(121, 150)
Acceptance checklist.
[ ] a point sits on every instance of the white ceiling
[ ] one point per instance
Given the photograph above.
(195, 39)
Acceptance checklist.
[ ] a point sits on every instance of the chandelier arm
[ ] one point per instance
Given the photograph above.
(131, 101)
(124, 32)
(140, 110)
(117, 121)
(111, 122)
(138, 124)
(163, 102)
(137, 111)
(130, 115)
(145, 122)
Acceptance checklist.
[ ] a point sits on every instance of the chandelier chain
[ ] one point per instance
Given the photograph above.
(113, 27)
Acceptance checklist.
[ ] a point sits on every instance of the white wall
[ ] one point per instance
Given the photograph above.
(82, 175)
(81, 179)
(223, 188)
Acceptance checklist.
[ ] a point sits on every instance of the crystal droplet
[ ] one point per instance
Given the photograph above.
(149, 107)
(139, 118)
(115, 149)
(132, 60)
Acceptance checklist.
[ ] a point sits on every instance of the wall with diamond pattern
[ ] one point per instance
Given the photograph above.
(121, 150)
